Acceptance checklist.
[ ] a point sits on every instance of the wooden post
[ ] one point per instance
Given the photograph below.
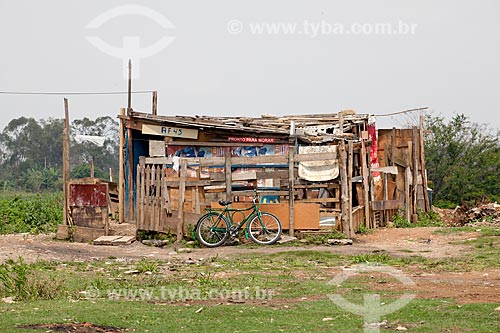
(341, 122)
(140, 192)
(228, 174)
(130, 176)
(111, 175)
(364, 173)
(66, 162)
(291, 189)
(182, 192)
(92, 173)
(391, 149)
(372, 190)
(105, 217)
(386, 196)
(350, 160)
(129, 95)
(155, 103)
(121, 175)
(422, 163)
(344, 195)
(414, 156)
(407, 193)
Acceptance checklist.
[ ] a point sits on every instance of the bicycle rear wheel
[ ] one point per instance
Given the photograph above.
(212, 229)
(264, 229)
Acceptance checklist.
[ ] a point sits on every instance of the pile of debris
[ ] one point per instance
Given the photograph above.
(480, 212)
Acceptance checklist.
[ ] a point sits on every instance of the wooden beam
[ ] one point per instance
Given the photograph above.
(386, 196)
(92, 173)
(278, 159)
(387, 169)
(211, 161)
(422, 163)
(315, 157)
(262, 193)
(291, 194)
(214, 144)
(154, 104)
(66, 161)
(408, 194)
(129, 99)
(130, 176)
(364, 173)
(320, 200)
(350, 161)
(344, 195)
(317, 186)
(372, 189)
(182, 190)
(382, 205)
(189, 183)
(158, 160)
(391, 148)
(121, 176)
(228, 173)
(414, 156)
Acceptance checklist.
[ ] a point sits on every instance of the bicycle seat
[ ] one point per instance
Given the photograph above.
(225, 202)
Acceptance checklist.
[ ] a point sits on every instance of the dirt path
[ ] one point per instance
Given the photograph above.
(398, 242)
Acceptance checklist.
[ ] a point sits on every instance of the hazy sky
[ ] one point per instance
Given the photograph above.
(223, 61)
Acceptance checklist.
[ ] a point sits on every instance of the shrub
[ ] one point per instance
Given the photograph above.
(18, 280)
(34, 213)
(400, 222)
(429, 219)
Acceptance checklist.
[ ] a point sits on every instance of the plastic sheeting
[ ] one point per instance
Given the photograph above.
(318, 171)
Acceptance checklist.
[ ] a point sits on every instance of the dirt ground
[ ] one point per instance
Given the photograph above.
(398, 242)
(464, 287)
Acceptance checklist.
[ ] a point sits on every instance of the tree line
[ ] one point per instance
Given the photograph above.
(462, 160)
(31, 152)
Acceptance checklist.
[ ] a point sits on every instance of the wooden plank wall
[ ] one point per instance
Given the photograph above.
(403, 149)
(157, 189)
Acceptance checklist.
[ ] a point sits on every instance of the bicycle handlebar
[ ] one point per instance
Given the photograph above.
(255, 198)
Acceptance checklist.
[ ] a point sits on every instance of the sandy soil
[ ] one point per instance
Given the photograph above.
(399, 242)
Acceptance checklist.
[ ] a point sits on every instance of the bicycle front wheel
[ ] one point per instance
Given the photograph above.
(212, 229)
(264, 228)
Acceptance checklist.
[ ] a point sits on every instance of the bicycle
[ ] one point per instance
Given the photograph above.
(214, 228)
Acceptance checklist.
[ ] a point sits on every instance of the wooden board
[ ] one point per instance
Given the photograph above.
(90, 217)
(306, 214)
(91, 195)
(114, 240)
(62, 232)
(84, 234)
(386, 204)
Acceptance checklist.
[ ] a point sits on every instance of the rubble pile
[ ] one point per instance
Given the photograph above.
(481, 212)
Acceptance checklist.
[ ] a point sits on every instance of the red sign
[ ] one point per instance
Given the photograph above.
(250, 140)
(88, 195)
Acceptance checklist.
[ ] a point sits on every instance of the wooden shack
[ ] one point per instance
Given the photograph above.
(312, 171)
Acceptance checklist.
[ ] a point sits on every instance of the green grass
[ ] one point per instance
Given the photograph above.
(128, 294)
(307, 316)
(429, 219)
(452, 230)
(27, 212)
